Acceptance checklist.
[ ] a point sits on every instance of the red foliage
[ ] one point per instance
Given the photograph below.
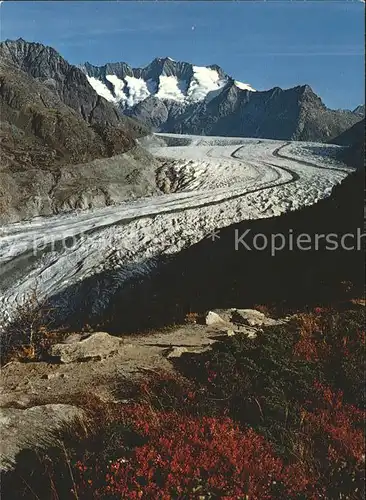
(186, 457)
(319, 310)
(306, 348)
(339, 425)
(311, 349)
(311, 344)
(316, 343)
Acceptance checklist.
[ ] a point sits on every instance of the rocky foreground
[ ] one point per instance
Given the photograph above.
(99, 416)
(94, 362)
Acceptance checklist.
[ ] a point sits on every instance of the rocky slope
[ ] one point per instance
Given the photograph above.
(67, 81)
(182, 98)
(354, 138)
(360, 110)
(98, 361)
(63, 146)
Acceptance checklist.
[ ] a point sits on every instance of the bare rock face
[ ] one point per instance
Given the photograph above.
(68, 82)
(63, 147)
(176, 352)
(354, 139)
(96, 346)
(31, 429)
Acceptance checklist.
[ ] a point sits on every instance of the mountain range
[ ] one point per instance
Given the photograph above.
(179, 97)
(70, 136)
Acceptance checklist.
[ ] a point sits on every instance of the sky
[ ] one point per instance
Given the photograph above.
(263, 43)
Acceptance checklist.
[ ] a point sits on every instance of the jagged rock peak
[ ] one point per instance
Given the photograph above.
(170, 80)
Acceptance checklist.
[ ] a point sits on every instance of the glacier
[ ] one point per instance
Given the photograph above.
(216, 182)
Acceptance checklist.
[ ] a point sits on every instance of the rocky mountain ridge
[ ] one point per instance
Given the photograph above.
(63, 146)
(179, 97)
(47, 66)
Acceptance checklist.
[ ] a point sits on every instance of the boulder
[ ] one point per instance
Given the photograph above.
(214, 319)
(251, 317)
(32, 429)
(176, 352)
(75, 337)
(249, 331)
(95, 346)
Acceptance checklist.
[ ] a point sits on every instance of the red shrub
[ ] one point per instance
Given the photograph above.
(306, 348)
(321, 339)
(186, 457)
(310, 345)
(310, 349)
(339, 425)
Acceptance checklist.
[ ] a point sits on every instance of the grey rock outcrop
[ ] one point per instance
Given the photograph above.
(96, 346)
(233, 317)
(215, 319)
(34, 428)
(252, 317)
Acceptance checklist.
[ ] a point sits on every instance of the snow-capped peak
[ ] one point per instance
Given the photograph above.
(244, 86)
(204, 80)
(164, 78)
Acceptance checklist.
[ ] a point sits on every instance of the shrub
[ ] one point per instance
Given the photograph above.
(335, 432)
(194, 457)
(335, 342)
(30, 334)
(191, 318)
(272, 383)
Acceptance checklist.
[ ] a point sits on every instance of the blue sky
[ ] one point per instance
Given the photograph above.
(265, 43)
